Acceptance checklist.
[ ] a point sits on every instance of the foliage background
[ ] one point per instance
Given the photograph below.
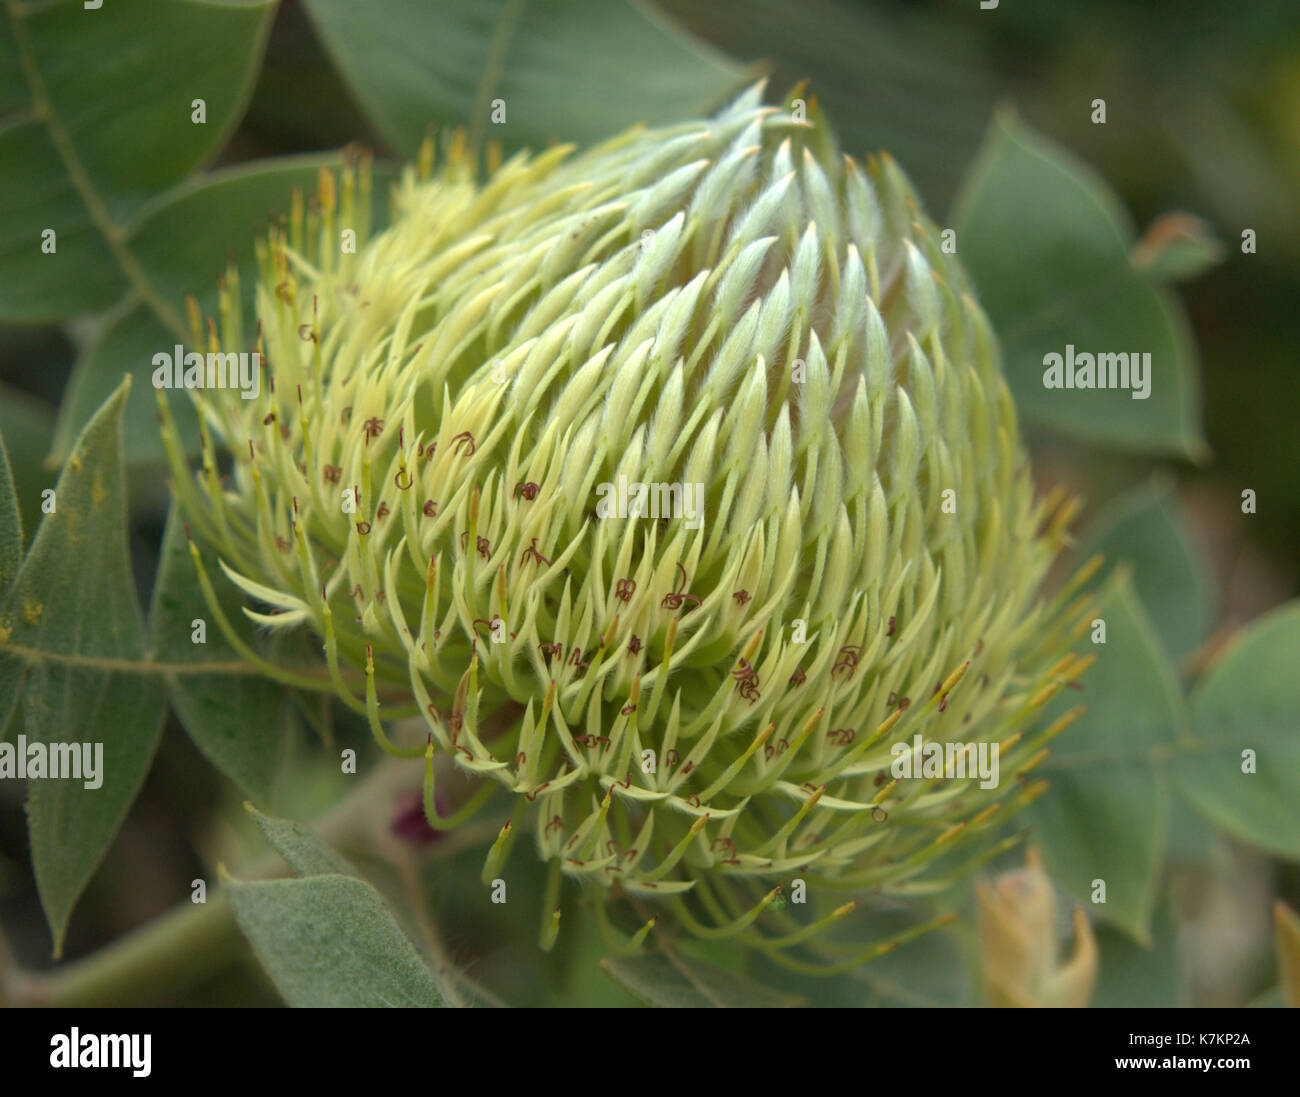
(1203, 116)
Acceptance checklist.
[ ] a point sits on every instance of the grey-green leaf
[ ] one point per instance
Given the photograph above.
(234, 715)
(574, 70)
(303, 850)
(1143, 531)
(71, 637)
(1105, 816)
(331, 941)
(688, 983)
(1250, 701)
(1047, 243)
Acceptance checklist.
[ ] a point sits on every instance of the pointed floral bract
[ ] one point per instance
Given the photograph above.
(695, 705)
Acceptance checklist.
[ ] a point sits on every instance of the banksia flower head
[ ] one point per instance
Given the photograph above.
(675, 488)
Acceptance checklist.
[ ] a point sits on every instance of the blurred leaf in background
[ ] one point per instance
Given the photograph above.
(184, 242)
(1106, 816)
(1143, 531)
(1242, 768)
(1048, 245)
(68, 163)
(525, 73)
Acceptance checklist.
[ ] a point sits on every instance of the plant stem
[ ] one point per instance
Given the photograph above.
(184, 945)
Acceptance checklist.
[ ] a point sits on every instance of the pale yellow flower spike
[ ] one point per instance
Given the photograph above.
(676, 485)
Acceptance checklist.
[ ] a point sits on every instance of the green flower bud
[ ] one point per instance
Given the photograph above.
(675, 487)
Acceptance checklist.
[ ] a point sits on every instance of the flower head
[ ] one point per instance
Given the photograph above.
(674, 485)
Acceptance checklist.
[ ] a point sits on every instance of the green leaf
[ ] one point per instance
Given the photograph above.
(70, 632)
(11, 528)
(1105, 816)
(679, 982)
(124, 343)
(1047, 243)
(576, 70)
(1250, 700)
(185, 238)
(1132, 975)
(1142, 529)
(304, 851)
(82, 274)
(929, 116)
(102, 103)
(331, 941)
(1192, 839)
(927, 972)
(183, 242)
(235, 718)
(27, 424)
(11, 553)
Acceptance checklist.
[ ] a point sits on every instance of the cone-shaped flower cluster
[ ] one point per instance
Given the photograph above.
(691, 699)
